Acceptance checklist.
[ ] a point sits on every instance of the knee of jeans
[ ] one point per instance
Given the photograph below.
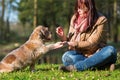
(66, 57)
(112, 50)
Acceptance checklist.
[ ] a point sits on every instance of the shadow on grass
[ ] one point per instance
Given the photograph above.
(117, 66)
(47, 69)
(41, 69)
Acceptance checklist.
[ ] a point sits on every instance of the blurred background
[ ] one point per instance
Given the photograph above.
(19, 17)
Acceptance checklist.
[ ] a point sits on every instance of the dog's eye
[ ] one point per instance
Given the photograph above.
(46, 33)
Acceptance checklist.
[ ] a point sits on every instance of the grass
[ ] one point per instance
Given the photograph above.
(51, 72)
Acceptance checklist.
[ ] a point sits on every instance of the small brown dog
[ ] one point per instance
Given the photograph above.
(29, 52)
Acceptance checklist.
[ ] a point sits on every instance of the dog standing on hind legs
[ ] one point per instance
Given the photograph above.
(28, 53)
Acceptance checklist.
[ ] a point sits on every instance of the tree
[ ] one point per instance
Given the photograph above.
(52, 12)
(35, 22)
(115, 29)
(2, 21)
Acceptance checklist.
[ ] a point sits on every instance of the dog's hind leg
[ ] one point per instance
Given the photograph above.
(32, 67)
(5, 68)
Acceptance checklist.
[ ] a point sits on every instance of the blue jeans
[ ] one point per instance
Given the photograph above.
(107, 55)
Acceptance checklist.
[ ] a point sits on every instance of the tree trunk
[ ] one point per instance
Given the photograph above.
(7, 26)
(109, 20)
(115, 27)
(35, 13)
(2, 36)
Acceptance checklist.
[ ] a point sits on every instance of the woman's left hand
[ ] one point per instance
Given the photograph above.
(73, 44)
(64, 44)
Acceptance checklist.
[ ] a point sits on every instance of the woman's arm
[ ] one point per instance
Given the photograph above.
(60, 31)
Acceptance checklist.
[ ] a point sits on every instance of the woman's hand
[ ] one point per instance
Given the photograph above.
(59, 31)
(60, 44)
(73, 44)
(64, 44)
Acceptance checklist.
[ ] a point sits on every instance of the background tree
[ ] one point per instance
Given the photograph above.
(2, 20)
(52, 13)
(35, 22)
(10, 7)
(7, 7)
(115, 29)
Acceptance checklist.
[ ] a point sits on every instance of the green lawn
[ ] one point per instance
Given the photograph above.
(51, 72)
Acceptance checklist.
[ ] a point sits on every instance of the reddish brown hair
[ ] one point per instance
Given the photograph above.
(92, 12)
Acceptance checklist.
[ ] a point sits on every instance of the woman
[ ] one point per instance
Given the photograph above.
(86, 40)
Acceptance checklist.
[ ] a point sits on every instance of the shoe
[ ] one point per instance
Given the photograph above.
(112, 67)
(69, 68)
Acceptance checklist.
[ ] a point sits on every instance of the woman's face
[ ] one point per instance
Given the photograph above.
(82, 11)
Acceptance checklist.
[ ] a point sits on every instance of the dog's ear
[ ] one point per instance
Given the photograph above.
(37, 33)
(42, 34)
(45, 34)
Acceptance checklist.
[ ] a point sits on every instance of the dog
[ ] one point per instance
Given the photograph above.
(28, 53)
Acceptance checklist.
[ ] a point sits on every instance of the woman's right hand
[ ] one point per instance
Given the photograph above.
(59, 31)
